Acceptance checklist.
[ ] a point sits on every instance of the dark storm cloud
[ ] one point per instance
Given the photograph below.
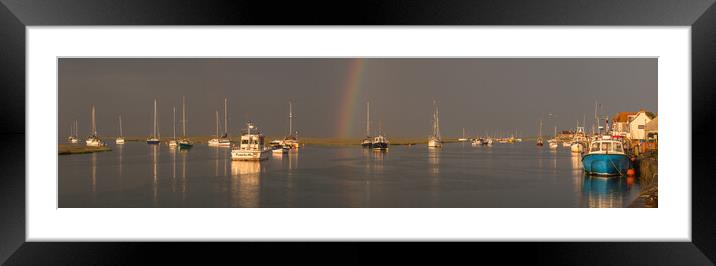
(479, 94)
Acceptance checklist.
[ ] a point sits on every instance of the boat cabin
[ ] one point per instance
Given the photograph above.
(606, 146)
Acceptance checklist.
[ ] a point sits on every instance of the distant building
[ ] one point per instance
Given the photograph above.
(637, 125)
(620, 123)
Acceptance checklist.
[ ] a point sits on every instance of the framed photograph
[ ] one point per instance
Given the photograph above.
(456, 122)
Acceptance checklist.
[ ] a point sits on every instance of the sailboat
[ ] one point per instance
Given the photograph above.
(94, 140)
(368, 141)
(463, 139)
(553, 143)
(215, 141)
(224, 140)
(73, 134)
(120, 139)
(539, 138)
(173, 141)
(434, 141)
(154, 138)
(184, 142)
(290, 141)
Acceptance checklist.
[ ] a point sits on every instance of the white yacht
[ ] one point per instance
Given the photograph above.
(367, 141)
(73, 134)
(154, 138)
(94, 140)
(225, 140)
(251, 147)
(120, 139)
(173, 142)
(291, 141)
(434, 141)
(215, 141)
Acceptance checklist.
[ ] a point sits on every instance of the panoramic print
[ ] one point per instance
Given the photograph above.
(357, 132)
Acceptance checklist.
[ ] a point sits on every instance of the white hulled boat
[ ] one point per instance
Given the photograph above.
(120, 139)
(154, 138)
(290, 141)
(251, 146)
(94, 140)
(434, 141)
(73, 134)
(215, 141)
(173, 142)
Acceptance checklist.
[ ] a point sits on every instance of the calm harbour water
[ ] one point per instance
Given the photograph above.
(458, 175)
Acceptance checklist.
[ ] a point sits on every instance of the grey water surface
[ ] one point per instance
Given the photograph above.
(137, 175)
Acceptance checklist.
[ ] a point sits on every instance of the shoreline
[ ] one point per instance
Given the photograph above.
(66, 149)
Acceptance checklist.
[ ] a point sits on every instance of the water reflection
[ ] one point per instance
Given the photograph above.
(434, 160)
(606, 192)
(245, 183)
(184, 153)
(94, 176)
(154, 149)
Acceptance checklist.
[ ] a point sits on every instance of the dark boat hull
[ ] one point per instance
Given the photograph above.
(367, 145)
(380, 146)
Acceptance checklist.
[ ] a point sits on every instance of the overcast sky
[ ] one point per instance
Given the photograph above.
(478, 94)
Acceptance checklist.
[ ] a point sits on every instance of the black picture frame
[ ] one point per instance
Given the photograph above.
(15, 15)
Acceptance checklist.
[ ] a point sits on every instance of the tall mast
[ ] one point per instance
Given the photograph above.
(76, 129)
(226, 120)
(217, 123)
(174, 122)
(540, 128)
(183, 115)
(437, 120)
(367, 120)
(120, 126)
(94, 126)
(290, 118)
(154, 130)
(596, 117)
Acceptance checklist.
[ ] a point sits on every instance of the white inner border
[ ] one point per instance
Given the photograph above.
(670, 222)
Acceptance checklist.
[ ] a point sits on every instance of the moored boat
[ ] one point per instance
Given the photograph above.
(606, 157)
(251, 147)
(120, 139)
(154, 138)
(184, 142)
(434, 141)
(367, 141)
(93, 140)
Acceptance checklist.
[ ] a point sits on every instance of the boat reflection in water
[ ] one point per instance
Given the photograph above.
(607, 192)
(245, 184)
(155, 178)
(434, 161)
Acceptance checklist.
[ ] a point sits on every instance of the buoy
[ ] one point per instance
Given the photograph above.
(630, 172)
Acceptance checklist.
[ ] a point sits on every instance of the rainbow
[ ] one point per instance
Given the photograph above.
(348, 102)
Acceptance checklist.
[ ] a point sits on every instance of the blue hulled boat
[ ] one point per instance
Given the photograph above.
(606, 157)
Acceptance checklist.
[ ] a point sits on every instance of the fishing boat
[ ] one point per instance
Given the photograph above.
(251, 147)
(120, 139)
(173, 142)
(154, 138)
(224, 140)
(215, 141)
(434, 141)
(73, 134)
(184, 142)
(367, 141)
(380, 142)
(606, 157)
(290, 141)
(93, 140)
(539, 137)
